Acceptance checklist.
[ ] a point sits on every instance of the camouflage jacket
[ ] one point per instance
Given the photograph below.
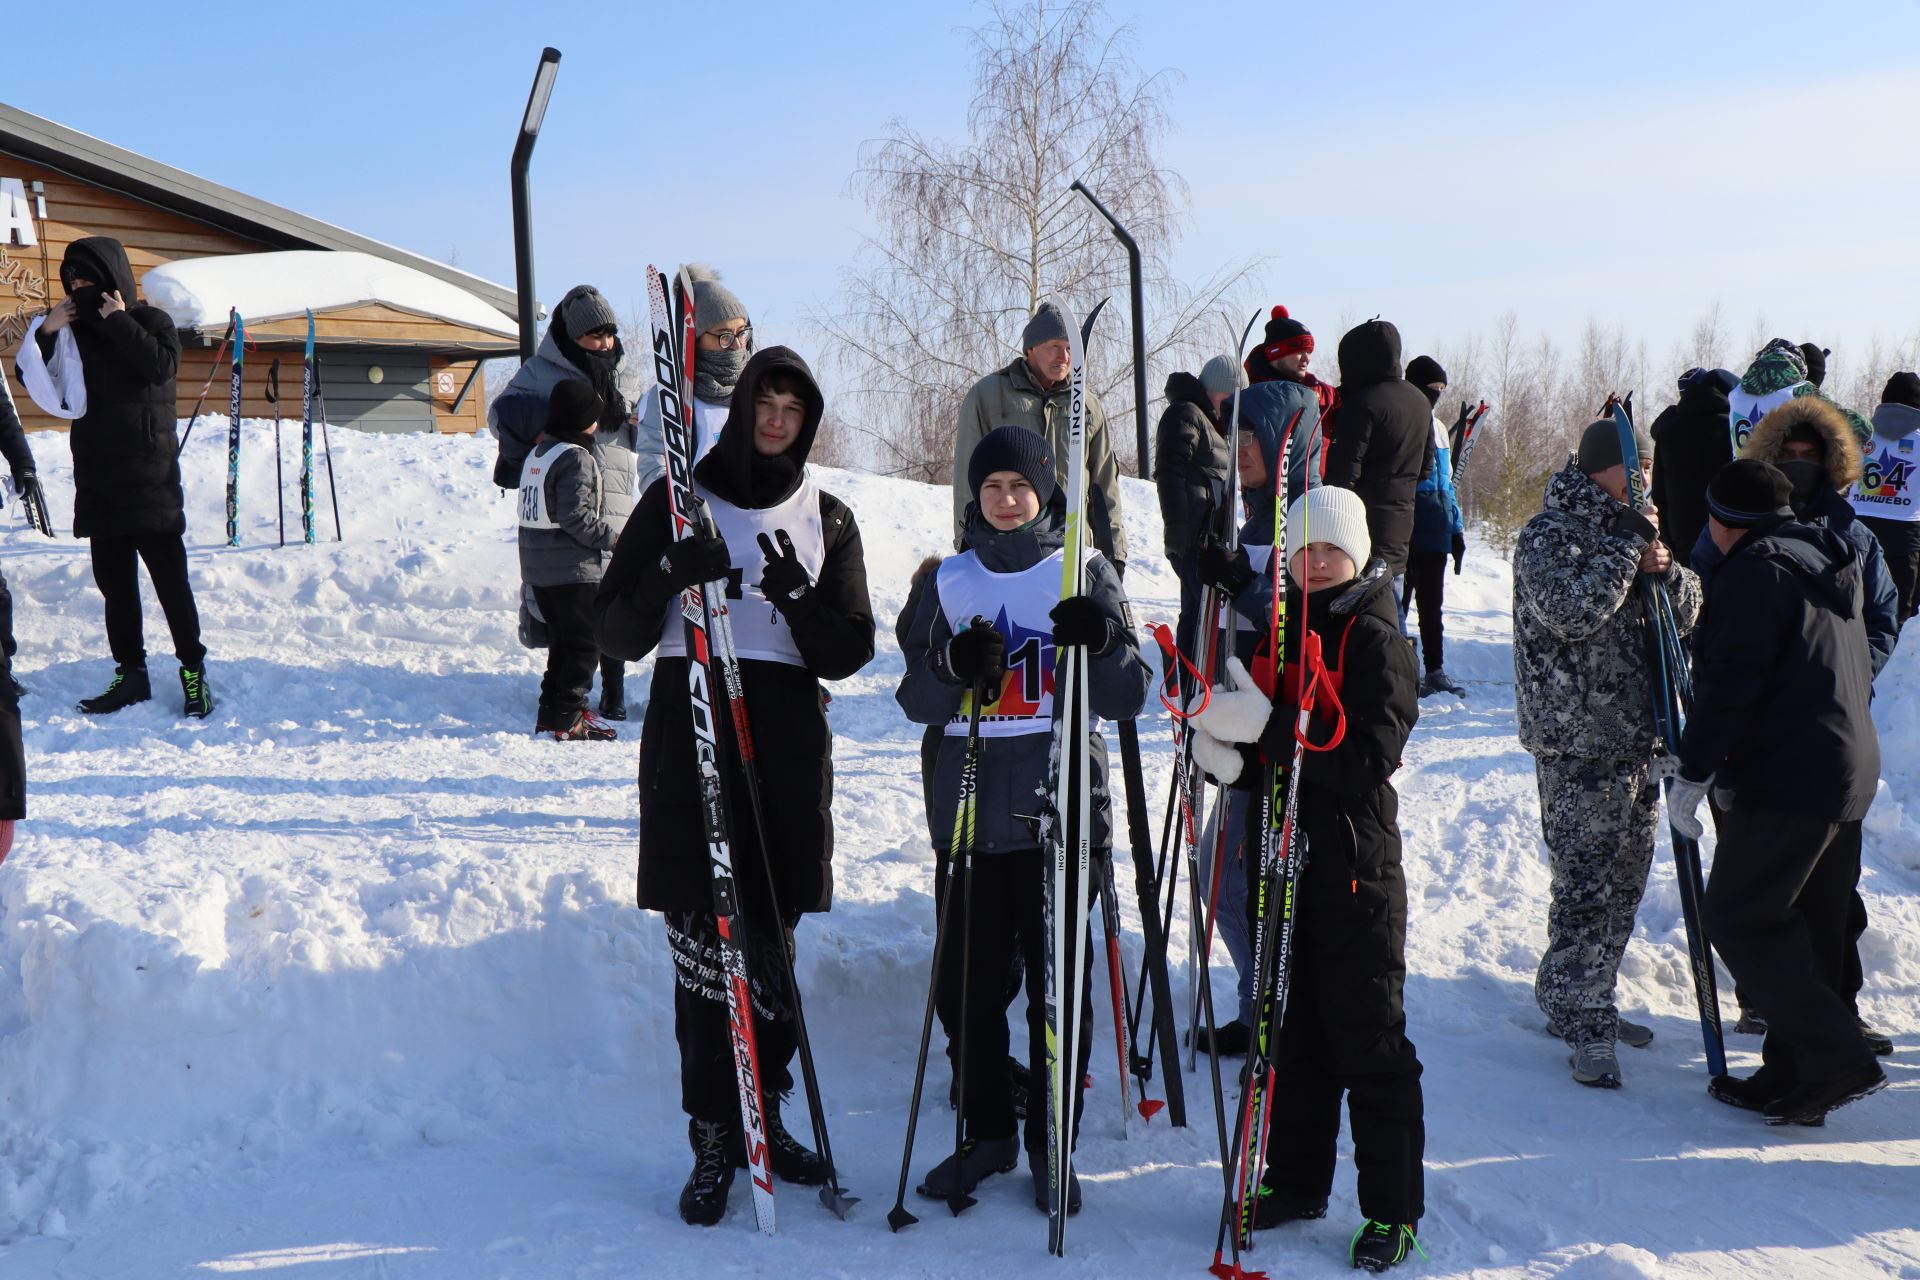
(1581, 685)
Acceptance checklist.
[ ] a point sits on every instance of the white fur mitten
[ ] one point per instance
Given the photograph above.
(1221, 760)
(1238, 711)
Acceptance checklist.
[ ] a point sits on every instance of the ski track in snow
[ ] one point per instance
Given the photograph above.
(346, 981)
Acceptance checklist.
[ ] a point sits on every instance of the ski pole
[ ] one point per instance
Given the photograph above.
(898, 1216)
(212, 371)
(1116, 981)
(326, 441)
(279, 475)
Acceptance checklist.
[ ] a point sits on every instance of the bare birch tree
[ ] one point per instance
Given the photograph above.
(972, 235)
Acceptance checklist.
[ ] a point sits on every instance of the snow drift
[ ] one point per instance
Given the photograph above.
(350, 972)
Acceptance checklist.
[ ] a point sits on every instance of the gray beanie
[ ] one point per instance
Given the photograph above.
(1220, 376)
(1046, 326)
(1600, 446)
(583, 310)
(713, 303)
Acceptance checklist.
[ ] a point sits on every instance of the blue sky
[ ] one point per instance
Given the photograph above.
(1631, 163)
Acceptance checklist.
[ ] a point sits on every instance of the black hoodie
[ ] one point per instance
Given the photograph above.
(788, 718)
(126, 458)
(1382, 442)
(1690, 445)
(1782, 675)
(1189, 466)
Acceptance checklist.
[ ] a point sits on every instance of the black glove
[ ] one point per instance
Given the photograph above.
(1459, 551)
(33, 501)
(978, 653)
(1079, 620)
(698, 560)
(1628, 523)
(785, 580)
(1228, 570)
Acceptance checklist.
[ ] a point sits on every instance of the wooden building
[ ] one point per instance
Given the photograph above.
(388, 366)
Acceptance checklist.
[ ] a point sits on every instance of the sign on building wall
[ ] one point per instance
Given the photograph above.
(16, 214)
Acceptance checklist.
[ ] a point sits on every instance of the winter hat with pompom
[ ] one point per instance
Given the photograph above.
(1284, 336)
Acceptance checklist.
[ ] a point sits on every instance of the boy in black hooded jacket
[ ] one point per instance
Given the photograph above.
(127, 499)
(798, 601)
(1343, 1028)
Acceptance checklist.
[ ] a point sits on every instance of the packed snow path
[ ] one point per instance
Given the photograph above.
(347, 980)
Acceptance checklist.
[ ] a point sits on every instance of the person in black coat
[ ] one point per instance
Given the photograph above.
(1190, 471)
(1344, 1030)
(127, 500)
(1690, 444)
(19, 456)
(1781, 733)
(800, 615)
(1381, 442)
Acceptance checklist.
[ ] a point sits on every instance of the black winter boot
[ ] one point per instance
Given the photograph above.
(1379, 1245)
(978, 1162)
(790, 1161)
(703, 1200)
(613, 692)
(128, 686)
(197, 692)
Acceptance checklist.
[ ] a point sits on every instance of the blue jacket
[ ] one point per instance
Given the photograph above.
(1436, 508)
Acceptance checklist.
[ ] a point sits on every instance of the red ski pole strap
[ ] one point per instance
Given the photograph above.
(1316, 682)
(1163, 636)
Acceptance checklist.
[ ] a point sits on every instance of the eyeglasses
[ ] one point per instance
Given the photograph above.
(732, 339)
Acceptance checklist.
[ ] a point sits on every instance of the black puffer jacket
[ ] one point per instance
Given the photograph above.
(789, 722)
(1782, 675)
(1382, 440)
(126, 457)
(1189, 465)
(1690, 444)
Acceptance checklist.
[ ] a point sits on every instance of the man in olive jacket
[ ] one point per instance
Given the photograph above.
(1032, 392)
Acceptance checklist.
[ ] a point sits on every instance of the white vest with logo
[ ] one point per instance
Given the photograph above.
(1018, 605)
(1745, 409)
(759, 630)
(1889, 487)
(534, 513)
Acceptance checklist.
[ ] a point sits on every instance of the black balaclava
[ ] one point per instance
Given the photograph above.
(584, 306)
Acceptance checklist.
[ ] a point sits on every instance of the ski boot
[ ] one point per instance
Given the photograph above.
(1230, 1041)
(978, 1161)
(1753, 1093)
(1274, 1208)
(574, 726)
(196, 692)
(1438, 681)
(789, 1161)
(703, 1200)
(1040, 1187)
(1379, 1245)
(1750, 1024)
(128, 686)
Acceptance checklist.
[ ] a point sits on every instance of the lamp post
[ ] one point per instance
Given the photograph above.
(543, 79)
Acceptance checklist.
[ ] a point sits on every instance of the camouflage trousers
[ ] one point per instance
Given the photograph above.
(1598, 818)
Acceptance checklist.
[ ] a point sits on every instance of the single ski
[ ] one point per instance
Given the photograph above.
(279, 475)
(1469, 435)
(1067, 834)
(233, 429)
(669, 351)
(306, 437)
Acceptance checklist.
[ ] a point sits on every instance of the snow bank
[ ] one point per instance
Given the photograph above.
(198, 292)
(350, 972)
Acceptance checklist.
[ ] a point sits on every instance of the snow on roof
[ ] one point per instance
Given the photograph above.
(197, 292)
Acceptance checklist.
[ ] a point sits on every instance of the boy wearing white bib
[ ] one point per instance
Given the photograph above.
(797, 596)
(994, 614)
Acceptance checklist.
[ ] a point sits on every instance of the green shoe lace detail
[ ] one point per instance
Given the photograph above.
(1402, 1235)
(191, 679)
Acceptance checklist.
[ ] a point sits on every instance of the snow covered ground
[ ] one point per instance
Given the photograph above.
(346, 981)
